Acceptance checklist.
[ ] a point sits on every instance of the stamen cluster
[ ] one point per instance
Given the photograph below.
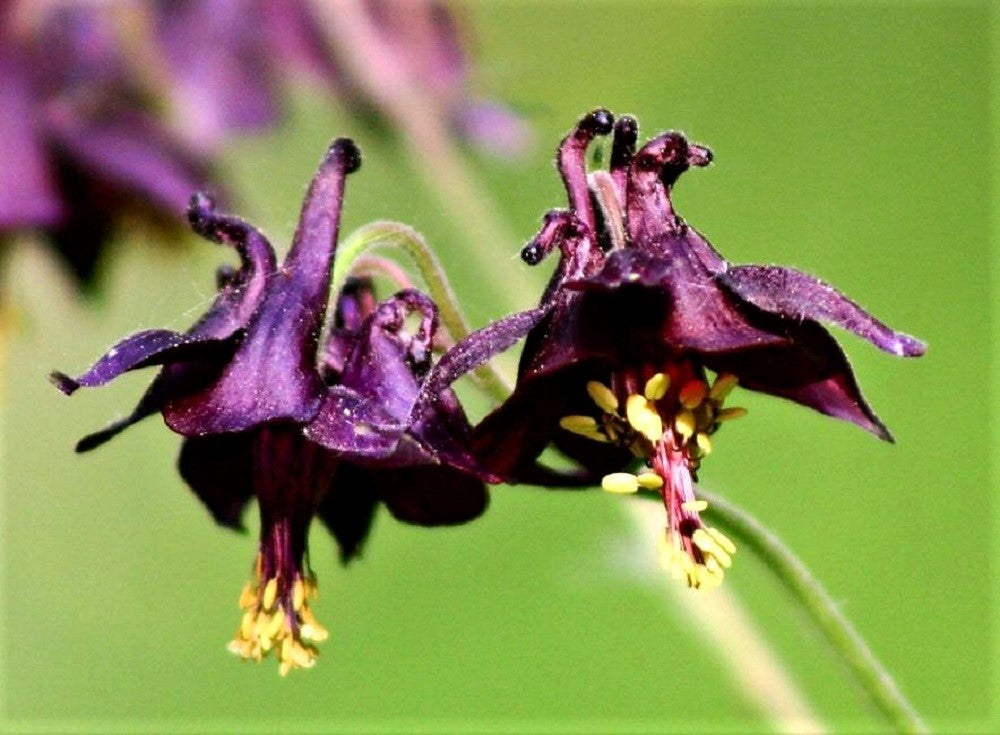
(277, 618)
(669, 429)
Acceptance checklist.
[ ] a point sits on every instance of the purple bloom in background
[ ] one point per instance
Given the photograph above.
(228, 74)
(638, 310)
(266, 413)
(80, 143)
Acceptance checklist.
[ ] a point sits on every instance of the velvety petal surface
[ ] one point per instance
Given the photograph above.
(796, 295)
(273, 375)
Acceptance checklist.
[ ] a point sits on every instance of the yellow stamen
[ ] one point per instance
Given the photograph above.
(248, 597)
(602, 396)
(285, 667)
(684, 424)
(270, 592)
(246, 624)
(730, 414)
(622, 483)
(643, 417)
(695, 506)
(722, 540)
(275, 623)
(579, 424)
(708, 545)
(723, 386)
(298, 595)
(656, 387)
(693, 393)
(703, 442)
(650, 481)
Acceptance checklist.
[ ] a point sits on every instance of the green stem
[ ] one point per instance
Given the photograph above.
(404, 237)
(808, 590)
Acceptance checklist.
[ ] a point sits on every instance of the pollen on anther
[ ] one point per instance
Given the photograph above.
(621, 483)
(695, 506)
(650, 481)
(270, 593)
(730, 414)
(722, 386)
(684, 424)
(656, 387)
(643, 417)
(602, 396)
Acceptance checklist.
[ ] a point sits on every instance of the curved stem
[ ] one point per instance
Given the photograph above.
(808, 590)
(404, 237)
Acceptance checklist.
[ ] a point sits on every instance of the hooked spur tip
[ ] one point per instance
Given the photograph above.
(598, 122)
(200, 208)
(699, 155)
(346, 153)
(532, 253)
(627, 127)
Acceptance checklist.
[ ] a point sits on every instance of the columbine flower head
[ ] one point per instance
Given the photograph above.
(80, 143)
(267, 414)
(639, 315)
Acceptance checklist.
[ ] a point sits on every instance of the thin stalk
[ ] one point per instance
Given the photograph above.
(811, 594)
(404, 237)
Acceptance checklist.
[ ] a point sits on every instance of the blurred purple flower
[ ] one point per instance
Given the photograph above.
(80, 143)
(228, 74)
(615, 366)
(307, 432)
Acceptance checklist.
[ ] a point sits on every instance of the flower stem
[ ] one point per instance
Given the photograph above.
(404, 237)
(794, 575)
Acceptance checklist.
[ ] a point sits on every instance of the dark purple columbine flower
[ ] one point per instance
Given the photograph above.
(79, 141)
(267, 414)
(638, 310)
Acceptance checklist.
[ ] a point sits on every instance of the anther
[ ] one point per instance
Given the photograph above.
(693, 393)
(695, 506)
(684, 424)
(602, 396)
(270, 593)
(643, 417)
(722, 386)
(656, 387)
(650, 481)
(730, 414)
(621, 483)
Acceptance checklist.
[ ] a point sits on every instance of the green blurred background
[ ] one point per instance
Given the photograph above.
(853, 142)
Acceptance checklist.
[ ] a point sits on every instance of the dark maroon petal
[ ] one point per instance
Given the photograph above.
(629, 267)
(431, 495)
(348, 508)
(572, 162)
(151, 347)
(796, 295)
(509, 439)
(219, 469)
(355, 425)
(811, 370)
(274, 375)
(475, 349)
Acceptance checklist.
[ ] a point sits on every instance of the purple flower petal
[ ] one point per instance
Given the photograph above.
(796, 295)
(273, 374)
